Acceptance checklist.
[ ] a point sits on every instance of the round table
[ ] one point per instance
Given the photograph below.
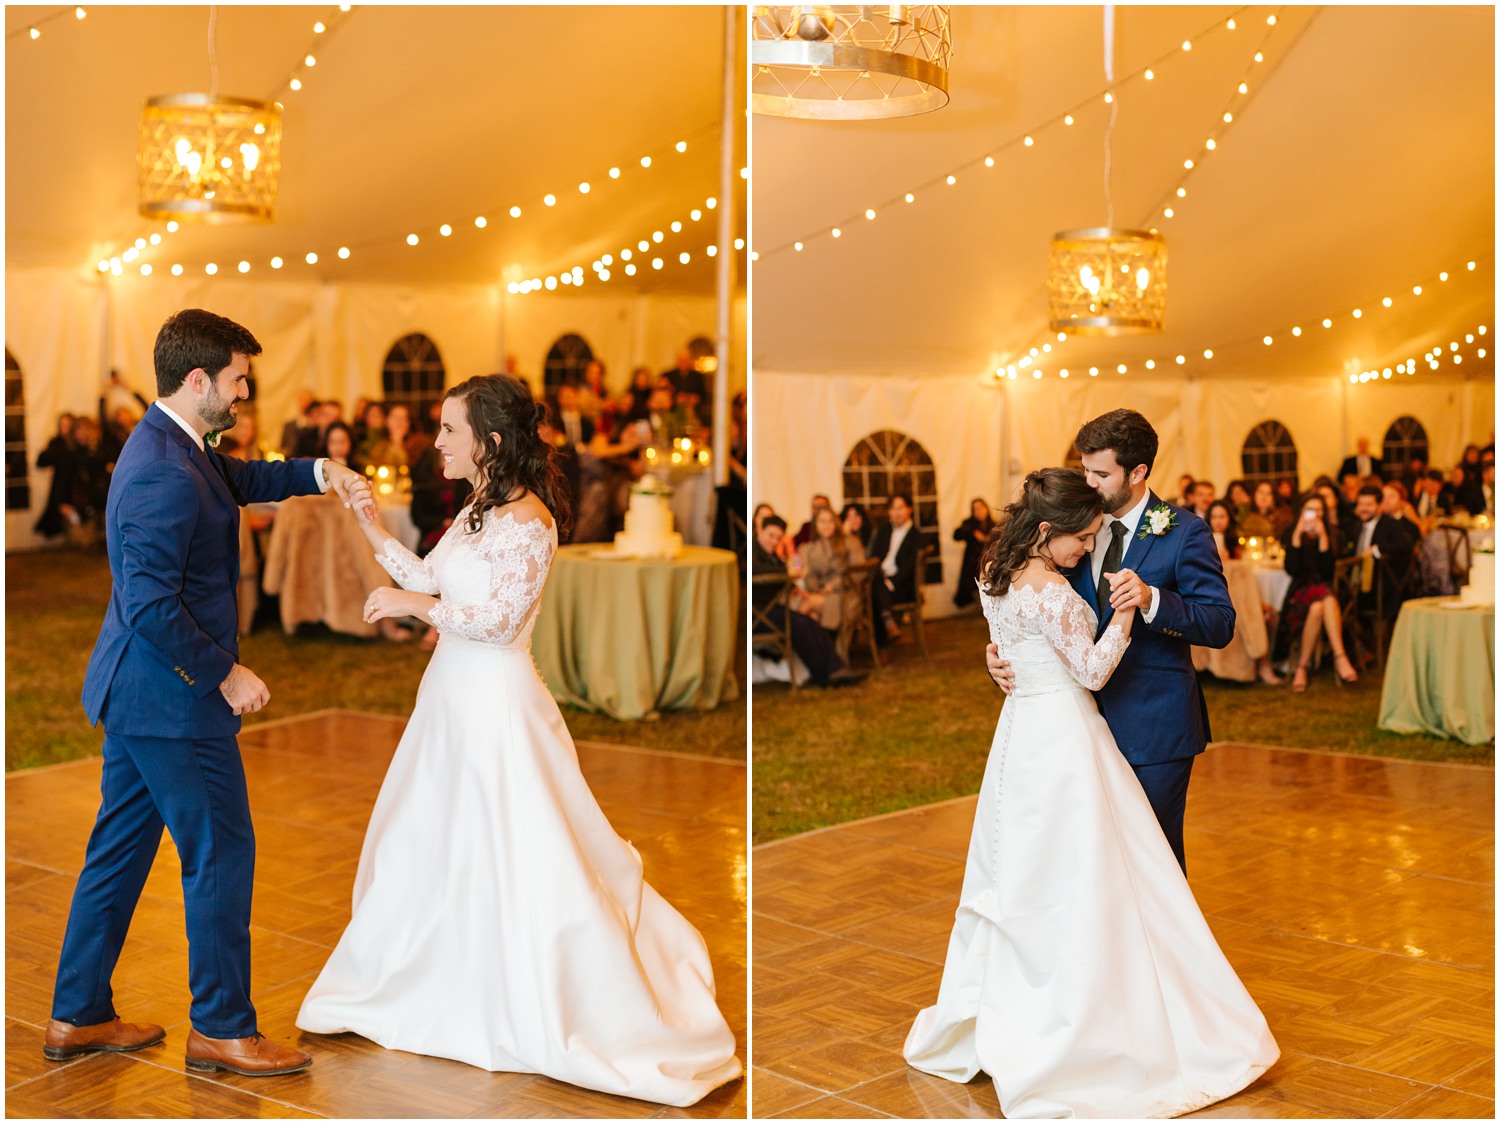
(1273, 581)
(635, 636)
(1237, 659)
(1440, 671)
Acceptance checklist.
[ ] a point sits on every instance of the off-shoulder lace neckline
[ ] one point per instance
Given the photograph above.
(511, 515)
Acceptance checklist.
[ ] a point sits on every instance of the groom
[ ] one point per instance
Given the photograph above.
(1173, 577)
(166, 680)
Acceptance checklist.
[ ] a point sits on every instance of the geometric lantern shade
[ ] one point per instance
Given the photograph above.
(1104, 281)
(847, 62)
(209, 159)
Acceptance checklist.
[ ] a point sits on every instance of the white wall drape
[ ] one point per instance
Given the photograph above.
(985, 435)
(66, 330)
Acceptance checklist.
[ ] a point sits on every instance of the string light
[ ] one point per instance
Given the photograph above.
(1028, 139)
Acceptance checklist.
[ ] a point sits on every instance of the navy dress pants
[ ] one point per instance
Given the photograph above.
(1166, 786)
(196, 789)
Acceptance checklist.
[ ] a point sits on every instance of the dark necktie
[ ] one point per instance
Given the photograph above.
(1112, 558)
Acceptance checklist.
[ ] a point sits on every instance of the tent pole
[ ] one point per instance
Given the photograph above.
(725, 260)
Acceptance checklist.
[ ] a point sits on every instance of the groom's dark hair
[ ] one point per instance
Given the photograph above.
(194, 338)
(1128, 433)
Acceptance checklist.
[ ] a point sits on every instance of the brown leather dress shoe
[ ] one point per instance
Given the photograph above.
(256, 1056)
(64, 1040)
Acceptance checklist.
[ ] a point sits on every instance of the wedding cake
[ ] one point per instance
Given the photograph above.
(648, 522)
(1481, 587)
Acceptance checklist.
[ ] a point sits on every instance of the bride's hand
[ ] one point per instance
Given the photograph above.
(389, 602)
(1127, 591)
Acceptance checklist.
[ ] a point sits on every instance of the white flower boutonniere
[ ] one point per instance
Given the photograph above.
(1159, 520)
(211, 438)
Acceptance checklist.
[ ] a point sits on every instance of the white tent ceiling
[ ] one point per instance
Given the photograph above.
(413, 116)
(1360, 164)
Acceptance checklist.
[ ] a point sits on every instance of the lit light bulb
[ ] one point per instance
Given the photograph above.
(1150, 74)
(1416, 290)
(1296, 331)
(146, 269)
(682, 146)
(910, 198)
(210, 269)
(1386, 302)
(837, 233)
(1150, 364)
(1187, 44)
(643, 245)
(1109, 99)
(656, 263)
(1266, 340)
(1259, 57)
(1182, 193)
(1443, 276)
(1327, 323)
(1358, 313)
(1168, 212)
(481, 222)
(177, 271)
(712, 251)
(1060, 374)
(1230, 25)
(739, 243)
(1187, 164)
(275, 263)
(1271, 19)
(1244, 89)
(695, 214)
(645, 161)
(344, 253)
(312, 259)
(1210, 144)
(318, 28)
(296, 83)
(711, 203)
(614, 173)
(683, 258)
(550, 283)
(1068, 119)
(630, 271)
(1120, 369)
(952, 180)
(625, 254)
(1029, 142)
(412, 239)
(1471, 267)
(1228, 117)
(677, 228)
(79, 13)
(869, 213)
(445, 230)
(1181, 359)
(1208, 353)
(989, 161)
(657, 236)
(550, 199)
(583, 189)
(35, 34)
(797, 246)
(1094, 372)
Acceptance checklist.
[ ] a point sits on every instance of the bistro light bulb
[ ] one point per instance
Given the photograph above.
(645, 161)
(1327, 323)
(677, 228)
(480, 222)
(344, 253)
(1296, 331)
(177, 271)
(550, 199)
(445, 230)
(952, 180)
(1386, 302)
(1210, 144)
(312, 259)
(1150, 364)
(910, 198)
(275, 263)
(412, 239)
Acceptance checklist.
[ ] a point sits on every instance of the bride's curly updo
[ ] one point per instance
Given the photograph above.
(522, 460)
(1059, 497)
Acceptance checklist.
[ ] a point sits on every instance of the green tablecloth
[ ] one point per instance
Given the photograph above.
(1440, 672)
(631, 637)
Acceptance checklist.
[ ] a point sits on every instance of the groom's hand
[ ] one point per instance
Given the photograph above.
(999, 669)
(352, 488)
(244, 691)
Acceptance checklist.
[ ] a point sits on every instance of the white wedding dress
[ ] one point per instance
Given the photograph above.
(498, 919)
(1081, 975)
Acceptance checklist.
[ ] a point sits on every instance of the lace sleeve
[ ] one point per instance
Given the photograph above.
(518, 564)
(408, 571)
(1069, 627)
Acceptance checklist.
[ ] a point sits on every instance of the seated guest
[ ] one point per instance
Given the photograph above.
(784, 549)
(1359, 463)
(973, 532)
(1382, 537)
(805, 532)
(1185, 490)
(896, 544)
(810, 642)
(1310, 606)
(823, 563)
(1226, 535)
(1476, 493)
(1470, 461)
(310, 438)
(338, 443)
(1268, 518)
(1286, 493)
(1433, 500)
(1394, 502)
(1238, 495)
(390, 445)
(1202, 495)
(1412, 474)
(1341, 515)
(576, 427)
(857, 524)
(1351, 483)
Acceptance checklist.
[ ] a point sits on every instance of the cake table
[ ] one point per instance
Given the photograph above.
(632, 637)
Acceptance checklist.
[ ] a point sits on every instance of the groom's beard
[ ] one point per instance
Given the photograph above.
(217, 412)
(1113, 502)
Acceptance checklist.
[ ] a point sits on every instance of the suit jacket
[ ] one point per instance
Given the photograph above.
(1152, 702)
(169, 635)
(904, 584)
(1350, 467)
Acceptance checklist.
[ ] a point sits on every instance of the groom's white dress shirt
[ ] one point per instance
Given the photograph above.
(198, 440)
(1132, 520)
(898, 536)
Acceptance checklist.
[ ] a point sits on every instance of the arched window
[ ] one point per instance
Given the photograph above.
(566, 362)
(1269, 453)
(886, 463)
(1405, 441)
(413, 375)
(17, 482)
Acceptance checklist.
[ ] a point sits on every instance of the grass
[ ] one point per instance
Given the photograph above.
(55, 601)
(920, 731)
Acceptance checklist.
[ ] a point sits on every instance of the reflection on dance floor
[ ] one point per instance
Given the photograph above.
(312, 783)
(1354, 896)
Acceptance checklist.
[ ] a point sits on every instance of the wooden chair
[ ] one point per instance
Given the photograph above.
(1456, 547)
(859, 612)
(913, 609)
(766, 635)
(1362, 625)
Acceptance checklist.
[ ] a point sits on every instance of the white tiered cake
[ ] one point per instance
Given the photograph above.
(648, 522)
(1481, 587)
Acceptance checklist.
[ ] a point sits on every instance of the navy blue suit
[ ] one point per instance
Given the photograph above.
(168, 641)
(1152, 702)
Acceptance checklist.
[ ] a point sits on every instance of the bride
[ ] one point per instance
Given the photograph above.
(1081, 975)
(498, 919)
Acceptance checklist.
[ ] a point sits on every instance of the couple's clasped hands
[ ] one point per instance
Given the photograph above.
(1126, 592)
(385, 602)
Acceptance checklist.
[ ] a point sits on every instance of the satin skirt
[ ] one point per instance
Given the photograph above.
(499, 920)
(1081, 974)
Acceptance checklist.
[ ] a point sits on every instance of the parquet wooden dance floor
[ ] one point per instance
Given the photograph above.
(313, 782)
(1354, 896)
